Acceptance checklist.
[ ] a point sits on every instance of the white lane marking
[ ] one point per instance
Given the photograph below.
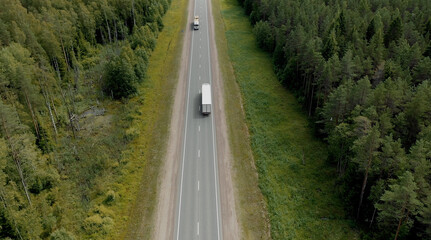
(199, 79)
(199, 153)
(199, 128)
(198, 185)
(198, 228)
(185, 137)
(200, 46)
(200, 66)
(200, 39)
(214, 136)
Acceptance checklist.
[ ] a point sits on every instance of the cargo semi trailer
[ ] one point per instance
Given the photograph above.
(206, 98)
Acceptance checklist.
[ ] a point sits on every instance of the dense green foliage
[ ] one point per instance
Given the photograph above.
(362, 71)
(61, 136)
(294, 178)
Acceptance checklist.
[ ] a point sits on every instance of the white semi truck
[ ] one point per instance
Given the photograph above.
(206, 98)
(196, 23)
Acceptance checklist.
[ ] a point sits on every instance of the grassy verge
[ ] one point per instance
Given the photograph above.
(293, 177)
(250, 203)
(151, 112)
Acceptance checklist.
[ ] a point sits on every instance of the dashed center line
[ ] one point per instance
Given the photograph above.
(198, 185)
(199, 128)
(199, 153)
(198, 228)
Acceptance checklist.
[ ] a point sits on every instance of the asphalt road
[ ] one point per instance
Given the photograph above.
(198, 209)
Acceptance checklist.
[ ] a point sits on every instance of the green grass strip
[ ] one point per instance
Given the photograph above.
(293, 176)
(250, 203)
(151, 113)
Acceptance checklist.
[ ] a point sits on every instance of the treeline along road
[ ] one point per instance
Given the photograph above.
(362, 71)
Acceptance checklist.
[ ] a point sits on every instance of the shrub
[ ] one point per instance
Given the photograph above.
(61, 234)
(264, 36)
(110, 197)
(120, 78)
(96, 224)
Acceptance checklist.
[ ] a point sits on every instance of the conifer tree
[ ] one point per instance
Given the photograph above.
(365, 149)
(395, 31)
(371, 30)
(399, 204)
(425, 216)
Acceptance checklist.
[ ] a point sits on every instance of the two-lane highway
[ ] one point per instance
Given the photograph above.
(198, 210)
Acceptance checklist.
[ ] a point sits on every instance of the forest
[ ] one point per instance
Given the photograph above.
(66, 69)
(362, 72)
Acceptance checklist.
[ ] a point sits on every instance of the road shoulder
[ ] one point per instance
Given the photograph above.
(164, 220)
(230, 224)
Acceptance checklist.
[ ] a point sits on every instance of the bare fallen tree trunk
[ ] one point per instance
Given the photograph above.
(107, 26)
(48, 104)
(33, 116)
(364, 183)
(69, 114)
(65, 56)
(372, 218)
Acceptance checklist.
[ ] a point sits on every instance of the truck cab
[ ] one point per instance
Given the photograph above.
(196, 23)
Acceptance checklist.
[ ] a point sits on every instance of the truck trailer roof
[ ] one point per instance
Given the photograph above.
(206, 93)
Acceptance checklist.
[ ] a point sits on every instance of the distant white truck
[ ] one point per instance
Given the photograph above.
(206, 98)
(196, 23)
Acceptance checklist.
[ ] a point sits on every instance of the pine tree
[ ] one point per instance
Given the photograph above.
(371, 30)
(336, 107)
(376, 48)
(361, 92)
(393, 159)
(422, 71)
(395, 31)
(340, 141)
(399, 204)
(330, 46)
(365, 149)
(425, 216)
(348, 66)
